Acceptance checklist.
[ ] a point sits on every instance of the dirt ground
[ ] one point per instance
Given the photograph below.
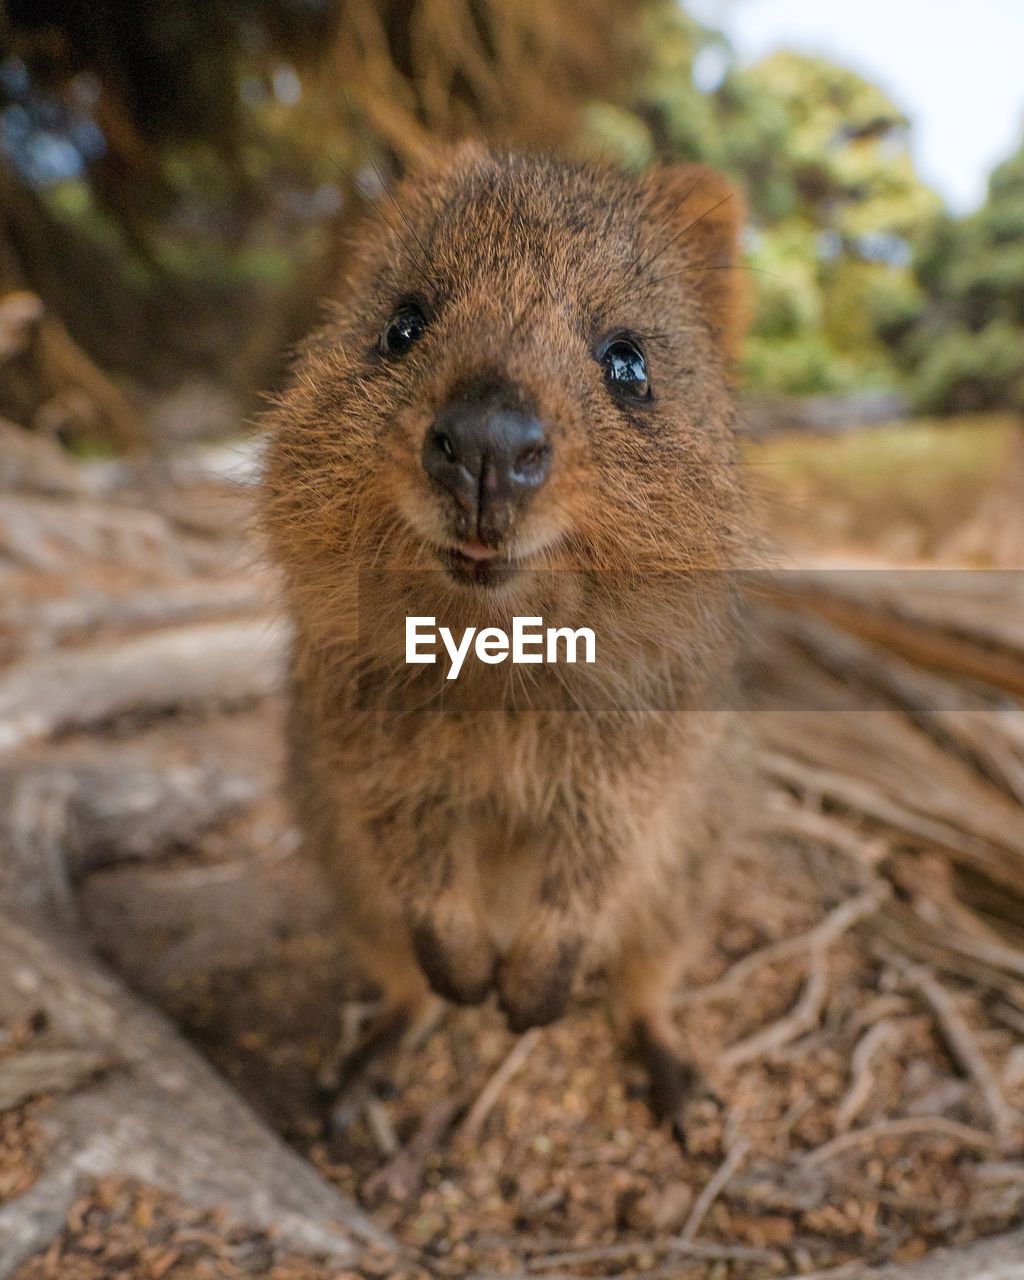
(841, 1126)
(567, 1163)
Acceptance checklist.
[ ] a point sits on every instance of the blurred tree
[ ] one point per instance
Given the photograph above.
(166, 169)
(963, 348)
(134, 192)
(837, 206)
(420, 71)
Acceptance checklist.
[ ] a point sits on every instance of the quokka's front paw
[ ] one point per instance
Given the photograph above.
(535, 978)
(454, 950)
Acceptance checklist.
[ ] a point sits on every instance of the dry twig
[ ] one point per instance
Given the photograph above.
(715, 1186)
(856, 1097)
(472, 1126)
(805, 1014)
(824, 934)
(905, 1126)
(399, 1178)
(380, 1126)
(788, 817)
(1006, 1119)
(217, 663)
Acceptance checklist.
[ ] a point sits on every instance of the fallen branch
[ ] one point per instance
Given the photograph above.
(921, 643)
(794, 819)
(998, 1259)
(96, 815)
(964, 719)
(34, 464)
(892, 775)
(163, 1117)
(219, 664)
(158, 1113)
(32, 1072)
(58, 535)
(937, 942)
(47, 622)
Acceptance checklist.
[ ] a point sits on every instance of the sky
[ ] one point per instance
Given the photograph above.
(955, 67)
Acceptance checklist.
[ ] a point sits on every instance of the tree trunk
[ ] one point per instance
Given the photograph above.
(47, 382)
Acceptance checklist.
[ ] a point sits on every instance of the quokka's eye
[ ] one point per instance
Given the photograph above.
(405, 327)
(625, 369)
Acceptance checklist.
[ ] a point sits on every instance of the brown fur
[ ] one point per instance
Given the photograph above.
(489, 847)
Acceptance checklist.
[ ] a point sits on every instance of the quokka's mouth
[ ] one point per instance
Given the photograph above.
(476, 565)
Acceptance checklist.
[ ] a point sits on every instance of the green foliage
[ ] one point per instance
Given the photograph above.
(836, 148)
(824, 158)
(963, 349)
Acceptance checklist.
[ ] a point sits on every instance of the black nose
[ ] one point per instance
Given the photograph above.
(491, 459)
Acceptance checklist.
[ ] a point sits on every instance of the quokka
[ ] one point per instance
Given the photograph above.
(521, 406)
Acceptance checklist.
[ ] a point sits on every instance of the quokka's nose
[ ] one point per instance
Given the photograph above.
(490, 458)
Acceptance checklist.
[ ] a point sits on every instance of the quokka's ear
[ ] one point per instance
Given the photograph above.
(706, 212)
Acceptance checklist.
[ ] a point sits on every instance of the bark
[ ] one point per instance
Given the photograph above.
(45, 623)
(965, 643)
(33, 464)
(47, 381)
(51, 385)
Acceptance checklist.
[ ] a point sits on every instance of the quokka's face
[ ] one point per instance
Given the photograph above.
(526, 370)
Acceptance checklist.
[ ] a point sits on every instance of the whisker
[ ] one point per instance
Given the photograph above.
(634, 266)
(679, 234)
(401, 212)
(410, 257)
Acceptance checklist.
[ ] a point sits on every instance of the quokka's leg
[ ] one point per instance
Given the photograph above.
(643, 986)
(406, 1005)
(535, 977)
(427, 853)
(452, 945)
